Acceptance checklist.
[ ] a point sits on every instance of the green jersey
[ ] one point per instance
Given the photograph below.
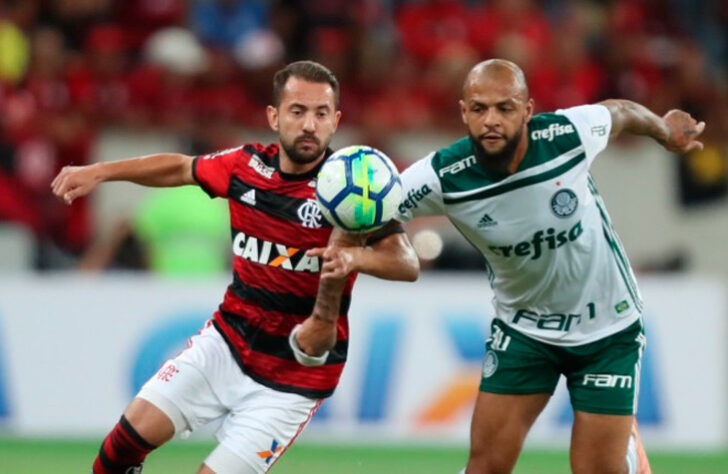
(554, 261)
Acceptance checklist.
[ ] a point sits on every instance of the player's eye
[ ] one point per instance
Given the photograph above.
(322, 114)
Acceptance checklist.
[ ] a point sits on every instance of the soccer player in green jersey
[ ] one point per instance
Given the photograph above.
(518, 188)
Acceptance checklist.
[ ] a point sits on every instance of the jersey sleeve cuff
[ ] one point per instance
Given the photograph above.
(199, 181)
(392, 227)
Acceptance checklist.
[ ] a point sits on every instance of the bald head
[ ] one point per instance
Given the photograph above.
(499, 71)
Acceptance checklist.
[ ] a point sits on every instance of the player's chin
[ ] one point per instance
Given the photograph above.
(493, 146)
(307, 153)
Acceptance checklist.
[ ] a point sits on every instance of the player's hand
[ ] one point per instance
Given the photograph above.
(339, 261)
(75, 181)
(682, 132)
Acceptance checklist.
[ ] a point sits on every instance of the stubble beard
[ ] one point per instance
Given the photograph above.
(300, 157)
(498, 160)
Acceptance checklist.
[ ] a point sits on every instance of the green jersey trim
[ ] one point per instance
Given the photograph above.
(616, 246)
(502, 188)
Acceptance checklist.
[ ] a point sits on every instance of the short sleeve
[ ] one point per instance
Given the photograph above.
(421, 191)
(593, 123)
(212, 172)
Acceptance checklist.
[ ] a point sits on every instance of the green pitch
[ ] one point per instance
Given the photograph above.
(23, 456)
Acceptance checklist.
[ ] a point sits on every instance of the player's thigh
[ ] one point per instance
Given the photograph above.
(599, 443)
(259, 429)
(519, 376)
(499, 427)
(181, 396)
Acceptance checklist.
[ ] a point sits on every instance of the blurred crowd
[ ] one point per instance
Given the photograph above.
(202, 69)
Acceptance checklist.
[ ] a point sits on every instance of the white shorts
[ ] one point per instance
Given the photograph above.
(204, 383)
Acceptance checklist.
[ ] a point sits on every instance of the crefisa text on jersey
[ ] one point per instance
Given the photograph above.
(550, 237)
(414, 196)
(554, 130)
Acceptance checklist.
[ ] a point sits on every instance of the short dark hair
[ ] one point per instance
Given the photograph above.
(310, 71)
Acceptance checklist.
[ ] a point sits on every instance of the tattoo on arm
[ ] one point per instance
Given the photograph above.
(328, 300)
(636, 119)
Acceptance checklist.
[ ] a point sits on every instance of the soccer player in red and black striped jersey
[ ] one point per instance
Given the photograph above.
(291, 270)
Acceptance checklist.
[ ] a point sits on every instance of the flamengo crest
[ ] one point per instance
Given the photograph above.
(310, 214)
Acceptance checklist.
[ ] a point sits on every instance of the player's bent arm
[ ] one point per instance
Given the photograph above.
(676, 130)
(159, 170)
(391, 258)
(387, 254)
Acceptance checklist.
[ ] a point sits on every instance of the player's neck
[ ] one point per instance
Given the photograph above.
(289, 166)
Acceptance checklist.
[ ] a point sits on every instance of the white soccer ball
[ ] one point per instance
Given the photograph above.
(358, 189)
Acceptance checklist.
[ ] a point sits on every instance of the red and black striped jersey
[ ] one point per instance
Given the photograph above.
(274, 220)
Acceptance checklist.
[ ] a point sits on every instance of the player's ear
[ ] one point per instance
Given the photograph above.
(337, 117)
(463, 111)
(529, 109)
(272, 114)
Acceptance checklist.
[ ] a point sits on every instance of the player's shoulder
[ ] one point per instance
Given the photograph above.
(246, 150)
(453, 158)
(552, 130)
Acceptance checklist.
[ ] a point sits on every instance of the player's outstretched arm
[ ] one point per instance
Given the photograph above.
(160, 170)
(676, 130)
(390, 257)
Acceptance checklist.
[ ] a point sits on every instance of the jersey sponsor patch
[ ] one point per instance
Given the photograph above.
(273, 254)
(564, 203)
(554, 130)
(608, 380)
(413, 198)
(458, 166)
(269, 454)
(261, 168)
(540, 241)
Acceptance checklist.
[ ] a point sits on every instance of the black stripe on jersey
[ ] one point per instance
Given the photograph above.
(280, 302)
(306, 392)
(277, 346)
(279, 205)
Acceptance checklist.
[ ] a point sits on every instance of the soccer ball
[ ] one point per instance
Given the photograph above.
(358, 189)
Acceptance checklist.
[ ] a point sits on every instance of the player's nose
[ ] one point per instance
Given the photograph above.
(491, 118)
(309, 123)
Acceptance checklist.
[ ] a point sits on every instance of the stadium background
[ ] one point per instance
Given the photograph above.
(94, 296)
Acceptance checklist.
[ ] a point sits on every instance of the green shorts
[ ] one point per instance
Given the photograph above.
(602, 376)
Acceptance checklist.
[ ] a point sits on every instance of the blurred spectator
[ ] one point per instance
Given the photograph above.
(71, 67)
(180, 231)
(427, 27)
(16, 18)
(141, 18)
(223, 22)
(99, 83)
(164, 83)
